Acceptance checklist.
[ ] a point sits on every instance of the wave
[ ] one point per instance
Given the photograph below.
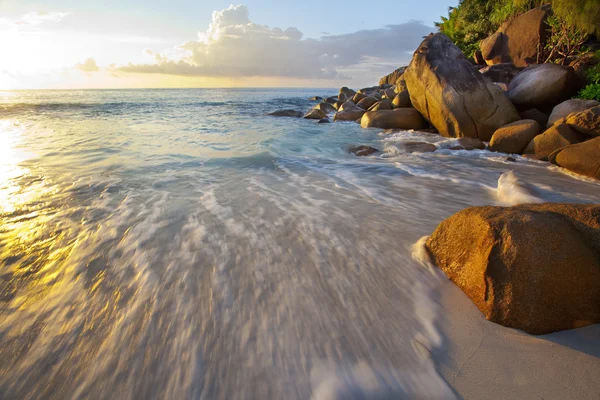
(511, 191)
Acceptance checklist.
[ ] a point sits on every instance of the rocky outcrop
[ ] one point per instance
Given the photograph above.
(452, 95)
(502, 73)
(519, 41)
(325, 107)
(514, 137)
(582, 158)
(559, 135)
(391, 79)
(286, 113)
(346, 94)
(531, 267)
(586, 122)
(541, 86)
(401, 118)
(569, 107)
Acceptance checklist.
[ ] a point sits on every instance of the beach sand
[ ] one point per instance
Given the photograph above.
(482, 360)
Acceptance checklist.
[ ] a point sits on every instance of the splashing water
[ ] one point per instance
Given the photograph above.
(182, 244)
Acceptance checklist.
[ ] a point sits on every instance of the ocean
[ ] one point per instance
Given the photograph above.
(182, 244)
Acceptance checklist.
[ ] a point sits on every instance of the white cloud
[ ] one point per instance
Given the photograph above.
(89, 65)
(33, 19)
(234, 46)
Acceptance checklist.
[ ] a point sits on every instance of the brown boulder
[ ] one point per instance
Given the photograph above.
(381, 105)
(358, 97)
(557, 136)
(541, 85)
(418, 147)
(315, 113)
(391, 79)
(331, 100)
(519, 40)
(468, 144)
(582, 158)
(347, 93)
(536, 115)
(586, 122)
(325, 107)
(455, 98)
(401, 118)
(367, 102)
(349, 112)
(514, 137)
(568, 107)
(402, 100)
(532, 267)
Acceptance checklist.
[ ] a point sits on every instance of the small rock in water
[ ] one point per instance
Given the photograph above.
(363, 150)
(286, 113)
(419, 147)
(511, 159)
(324, 121)
(316, 98)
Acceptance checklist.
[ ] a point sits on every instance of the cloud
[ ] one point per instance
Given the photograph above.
(89, 65)
(234, 46)
(33, 19)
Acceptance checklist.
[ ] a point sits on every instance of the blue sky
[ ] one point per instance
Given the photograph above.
(133, 38)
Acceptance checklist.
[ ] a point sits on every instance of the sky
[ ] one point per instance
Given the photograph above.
(55, 44)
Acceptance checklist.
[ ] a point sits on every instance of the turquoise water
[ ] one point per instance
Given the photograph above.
(183, 244)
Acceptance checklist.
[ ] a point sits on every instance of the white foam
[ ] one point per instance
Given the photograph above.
(511, 191)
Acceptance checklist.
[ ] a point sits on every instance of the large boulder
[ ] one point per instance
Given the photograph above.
(401, 100)
(401, 118)
(452, 95)
(367, 102)
(514, 137)
(381, 105)
(568, 107)
(519, 40)
(315, 113)
(535, 114)
(586, 122)
(391, 79)
(582, 158)
(349, 112)
(286, 113)
(541, 86)
(532, 267)
(502, 73)
(557, 136)
(325, 107)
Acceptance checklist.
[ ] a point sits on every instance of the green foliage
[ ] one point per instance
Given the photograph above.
(583, 15)
(592, 91)
(565, 42)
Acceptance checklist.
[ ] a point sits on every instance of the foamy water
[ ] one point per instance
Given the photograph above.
(182, 244)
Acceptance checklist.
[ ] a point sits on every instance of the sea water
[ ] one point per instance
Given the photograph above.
(182, 244)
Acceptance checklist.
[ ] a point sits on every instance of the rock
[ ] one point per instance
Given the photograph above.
(349, 112)
(568, 107)
(349, 93)
(557, 136)
(315, 113)
(402, 100)
(514, 137)
(325, 107)
(358, 97)
(519, 40)
(286, 113)
(338, 104)
(324, 121)
(391, 79)
(586, 122)
(468, 144)
(381, 105)
(389, 93)
(362, 151)
(502, 73)
(316, 98)
(455, 98)
(478, 58)
(418, 147)
(533, 267)
(331, 100)
(511, 159)
(346, 104)
(367, 102)
(582, 158)
(400, 85)
(536, 115)
(401, 118)
(541, 86)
